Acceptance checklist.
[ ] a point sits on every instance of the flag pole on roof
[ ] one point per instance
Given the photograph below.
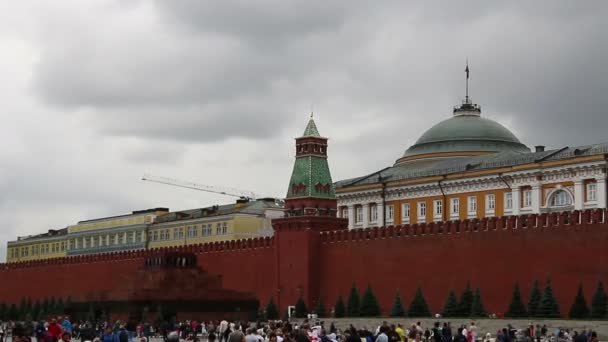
(467, 87)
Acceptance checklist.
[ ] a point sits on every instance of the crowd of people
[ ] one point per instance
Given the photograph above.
(61, 329)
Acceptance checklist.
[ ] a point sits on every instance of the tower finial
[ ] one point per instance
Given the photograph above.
(467, 82)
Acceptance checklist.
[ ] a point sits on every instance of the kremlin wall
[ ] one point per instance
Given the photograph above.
(335, 234)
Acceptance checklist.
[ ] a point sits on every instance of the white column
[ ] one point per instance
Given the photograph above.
(601, 192)
(579, 195)
(536, 198)
(76, 243)
(516, 200)
(351, 216)
(365, 208)
(380, 221)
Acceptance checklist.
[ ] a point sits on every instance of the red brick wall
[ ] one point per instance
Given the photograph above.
(402, 258)
(490, 253)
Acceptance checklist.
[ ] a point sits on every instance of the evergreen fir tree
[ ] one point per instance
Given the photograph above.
(369, 304)
(271, 310)
(3, 311)
(353, 303)
(516, 307)
(52, 305)
(599, 302)
(339, 309)
(466, 302)
(548, 307)
(36, 309)
(579, 308)
(418, 307)
(535, 297)
(60, 306)
(450, 309)
(301, 310)
(29, 307)
(68, 303)
(13, 312)
(91, 313)
(22, 310)
(45, 305)
(477, 309)
(397, 310)
(320, 308)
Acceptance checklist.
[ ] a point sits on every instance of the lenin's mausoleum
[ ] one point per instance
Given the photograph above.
(468, 203)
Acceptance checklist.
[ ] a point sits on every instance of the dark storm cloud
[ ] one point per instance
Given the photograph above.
(234, 68)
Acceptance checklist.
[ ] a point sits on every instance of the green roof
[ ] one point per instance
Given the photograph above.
(312, 174)
(466, 133)
(311, 129)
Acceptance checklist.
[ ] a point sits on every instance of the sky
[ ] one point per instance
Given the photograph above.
(93, 94)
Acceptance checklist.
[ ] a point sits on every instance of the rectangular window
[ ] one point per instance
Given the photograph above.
(218, 229)
(592, 192)
(490, 202)
(175, 234)
(405, 212)
(472, 207)
(63, 246)
(373, 213)
(345, 213)
(528, 198)
(455, 206)
(225, 228)
(508, 201)
(390, 213)
(421, 212)
(438, 208)
(72, 244)
(358, 214)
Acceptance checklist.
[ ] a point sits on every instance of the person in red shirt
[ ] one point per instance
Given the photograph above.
(55, 330)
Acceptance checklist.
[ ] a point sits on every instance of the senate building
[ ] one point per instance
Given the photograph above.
(471, 167)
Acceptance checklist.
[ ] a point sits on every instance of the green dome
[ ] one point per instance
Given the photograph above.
(466, 133)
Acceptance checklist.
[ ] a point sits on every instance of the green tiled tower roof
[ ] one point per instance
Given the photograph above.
(311, 176)
(311, 129)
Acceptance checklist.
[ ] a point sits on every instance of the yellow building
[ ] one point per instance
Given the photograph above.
(52, 244)
(151, 228)
(469, 167)
(241, 220)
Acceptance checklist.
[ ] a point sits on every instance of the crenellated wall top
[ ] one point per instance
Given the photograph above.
(141, 255)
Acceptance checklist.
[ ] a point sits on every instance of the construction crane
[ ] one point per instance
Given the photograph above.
(248, 195)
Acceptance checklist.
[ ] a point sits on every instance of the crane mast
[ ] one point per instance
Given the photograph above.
(249, 195)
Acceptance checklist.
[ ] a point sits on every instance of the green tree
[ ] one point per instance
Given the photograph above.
(369, 304)
(91, 313)
(13, 312)
(29, 307)
(60, 306)
(450, 309)
(397, 310)
(548, 306)
(36, 309)
(52, 305)
(353, 303)
(516, 307)
(320, 308)
(535, 297)
(466, 301)
(3, 311)
(272, 312)
(579, 308)
(45, 305)
(68, 303)
(301, 310)
(22, 309)
(418, 307)
(339, 308)
(477, 308)
(599, 302)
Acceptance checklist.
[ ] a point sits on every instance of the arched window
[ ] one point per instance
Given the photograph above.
(560, 198)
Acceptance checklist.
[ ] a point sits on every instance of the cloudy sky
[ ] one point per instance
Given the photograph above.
(95, 93)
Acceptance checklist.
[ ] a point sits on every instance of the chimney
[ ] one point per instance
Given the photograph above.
(539, 148)
(241, 202)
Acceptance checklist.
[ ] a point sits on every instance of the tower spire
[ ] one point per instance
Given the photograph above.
(467, 83)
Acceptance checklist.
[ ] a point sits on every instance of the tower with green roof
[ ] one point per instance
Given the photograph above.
(311, 191)
(310, 209)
